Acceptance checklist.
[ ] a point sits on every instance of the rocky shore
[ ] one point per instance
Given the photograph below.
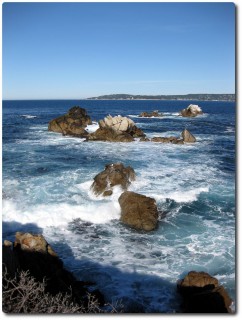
(30, 261)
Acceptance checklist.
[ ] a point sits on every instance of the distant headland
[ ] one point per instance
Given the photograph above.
(201, 97)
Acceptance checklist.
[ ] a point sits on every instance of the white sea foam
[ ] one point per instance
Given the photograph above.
(28, 116)
(59, 215)
(92, 127)
(181, 196)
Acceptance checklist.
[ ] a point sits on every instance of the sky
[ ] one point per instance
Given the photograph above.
(81, 50)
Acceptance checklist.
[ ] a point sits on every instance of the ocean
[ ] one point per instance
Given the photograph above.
(46, 181)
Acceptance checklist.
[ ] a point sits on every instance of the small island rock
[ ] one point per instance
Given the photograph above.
(202, 293)
(191, 111)
(113, 175)
(138, 211)
(73, 123)
(154, 113)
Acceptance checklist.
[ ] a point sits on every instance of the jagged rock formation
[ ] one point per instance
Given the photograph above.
(202, 293)
(138, 211)
(73, 123)
(191, 111)
(116, 129)
(187, 136)
(113, 175)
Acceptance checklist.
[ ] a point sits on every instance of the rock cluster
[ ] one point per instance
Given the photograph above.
(186, 135)
(202, 293)
(113, 175)
(154, 113)
(116, 129)
(73, 123)
(138, 211)
(191, 111)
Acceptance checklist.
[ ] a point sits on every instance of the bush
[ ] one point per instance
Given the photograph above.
(23, 294)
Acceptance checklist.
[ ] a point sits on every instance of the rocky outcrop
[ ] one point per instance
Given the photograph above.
(138, 211)
(116, 129)
(187, 136)
(173, 140)
(155, 113)
(202, 293)
(32, 253)
(191, 111)
(115, 174)
(73, 123)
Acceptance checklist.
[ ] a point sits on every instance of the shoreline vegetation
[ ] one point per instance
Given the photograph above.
(198, 97)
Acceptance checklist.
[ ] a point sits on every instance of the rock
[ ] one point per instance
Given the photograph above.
(108, 134)
(191, 111)
(32, 242)
(144, 139)
(138, 211)
(73, 123)
(187, 136)
(113, 175)
(32, 253)
(174, 140)
(155, 113)
(202, 294)
(116, 129)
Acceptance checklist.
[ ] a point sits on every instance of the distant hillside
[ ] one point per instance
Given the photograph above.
(202, 96)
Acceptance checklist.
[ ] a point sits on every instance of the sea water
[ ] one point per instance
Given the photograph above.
(46, 189)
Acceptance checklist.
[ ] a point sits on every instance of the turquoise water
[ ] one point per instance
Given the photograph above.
(46, 185)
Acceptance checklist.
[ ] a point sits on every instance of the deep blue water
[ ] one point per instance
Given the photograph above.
(46, 185)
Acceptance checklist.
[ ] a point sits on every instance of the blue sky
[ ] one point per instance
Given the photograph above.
(79, 50)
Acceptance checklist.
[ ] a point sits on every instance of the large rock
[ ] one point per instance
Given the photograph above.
(138, 211)
(202, 293)
(116, 129)
(187, 136)
(191, 111)
(113, 175)
(146, 114)
(73, 123)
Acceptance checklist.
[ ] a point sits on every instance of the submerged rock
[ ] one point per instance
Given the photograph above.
(174, 140)
(115, 174)
(138, 211)
(73, 123)
(202, 293)
(154, 113)
(191, 111)
(116, 129)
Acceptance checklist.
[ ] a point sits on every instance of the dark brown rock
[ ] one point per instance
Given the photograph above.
(73, 123)
(113, 175)
(202, 294)
(138, 211)
(108, 134)
(150, 114)
(174, 140)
